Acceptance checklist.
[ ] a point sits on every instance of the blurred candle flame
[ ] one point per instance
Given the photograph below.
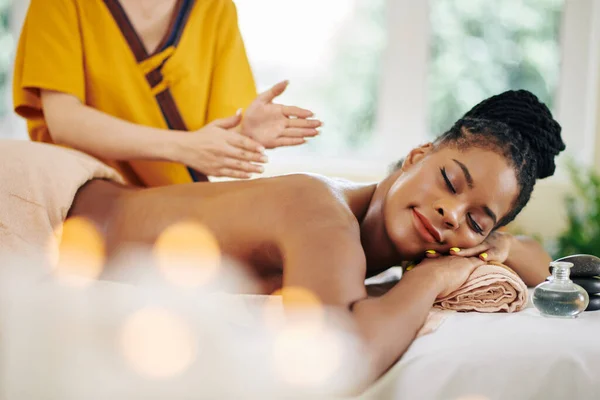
(81, 253)
(157, 344)
(187, 254)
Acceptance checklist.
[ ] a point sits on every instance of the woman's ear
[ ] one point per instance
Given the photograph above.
(416, 155)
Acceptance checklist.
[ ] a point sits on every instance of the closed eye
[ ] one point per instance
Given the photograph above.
(474, 225)
(448, 183)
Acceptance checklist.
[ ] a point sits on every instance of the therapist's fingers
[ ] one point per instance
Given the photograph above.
(229, 122)
(293, 111)
(269, 95)
(299, 132)
(245, 155)
(233, 173)
(243, 166)
(288, 141)
(238, 153)
(304, 123)
(243, 142)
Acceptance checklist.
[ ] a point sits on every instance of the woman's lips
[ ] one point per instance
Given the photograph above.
(425, 228)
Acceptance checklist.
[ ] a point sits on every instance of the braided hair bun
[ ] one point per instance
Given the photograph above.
(530, 120)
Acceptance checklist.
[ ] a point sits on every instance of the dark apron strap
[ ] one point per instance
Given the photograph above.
(165, 99)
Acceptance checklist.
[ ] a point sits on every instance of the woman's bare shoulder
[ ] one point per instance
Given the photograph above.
(315, 182)
(326, 192)
(309, 189)
(312, 198)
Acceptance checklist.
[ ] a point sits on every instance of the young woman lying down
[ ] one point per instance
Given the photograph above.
(447, 198)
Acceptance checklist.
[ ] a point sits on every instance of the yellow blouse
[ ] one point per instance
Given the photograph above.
(88, 48)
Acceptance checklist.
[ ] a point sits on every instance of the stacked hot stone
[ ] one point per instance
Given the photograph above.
(586, 273)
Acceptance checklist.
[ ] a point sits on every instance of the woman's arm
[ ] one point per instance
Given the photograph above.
(213, 150)
(523, 254)
(330, 262)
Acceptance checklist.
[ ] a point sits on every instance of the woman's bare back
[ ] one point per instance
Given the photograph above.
(251, 220)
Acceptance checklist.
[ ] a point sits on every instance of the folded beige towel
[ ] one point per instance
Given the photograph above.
(39, 183)
(492, 287)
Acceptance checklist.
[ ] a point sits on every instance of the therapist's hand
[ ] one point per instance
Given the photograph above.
(218, 150)
(275, 125)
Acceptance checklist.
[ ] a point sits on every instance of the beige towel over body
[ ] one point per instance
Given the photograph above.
(38, 185)
(492, 287)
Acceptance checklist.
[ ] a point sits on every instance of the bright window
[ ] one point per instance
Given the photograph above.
(385, 75)
(332, 53)
(479, 49)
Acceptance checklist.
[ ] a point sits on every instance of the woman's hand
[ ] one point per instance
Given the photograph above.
(275, 125)
(496, 247)
(450, 272)
(217, 150)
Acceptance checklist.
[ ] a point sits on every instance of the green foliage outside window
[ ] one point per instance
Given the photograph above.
(582, 231)
(481, 48)
(477, 49)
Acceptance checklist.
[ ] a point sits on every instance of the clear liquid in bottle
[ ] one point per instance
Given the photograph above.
(559, 296)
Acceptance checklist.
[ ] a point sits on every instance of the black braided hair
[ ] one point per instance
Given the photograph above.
(518, 126)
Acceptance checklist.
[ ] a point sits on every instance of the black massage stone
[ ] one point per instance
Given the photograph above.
(584, 265)
(594, 303)
(590, 285)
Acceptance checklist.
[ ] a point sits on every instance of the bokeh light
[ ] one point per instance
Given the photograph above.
(295, 306)
(81, 253)
(157, 344)
(305, 351)
(187, 254)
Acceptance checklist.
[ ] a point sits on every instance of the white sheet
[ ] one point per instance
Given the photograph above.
(63, 343)
(500, 356)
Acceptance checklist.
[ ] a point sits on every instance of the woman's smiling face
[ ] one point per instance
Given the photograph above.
(447, 197)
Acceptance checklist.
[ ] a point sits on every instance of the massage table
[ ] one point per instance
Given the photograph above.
(60, 342)
(499, 356)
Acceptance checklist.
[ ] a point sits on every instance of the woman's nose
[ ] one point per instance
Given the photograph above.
(449, 216)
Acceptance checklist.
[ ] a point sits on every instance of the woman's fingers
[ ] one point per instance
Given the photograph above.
(473, 251)
(432, 254)
(481, 251)
(293, 111)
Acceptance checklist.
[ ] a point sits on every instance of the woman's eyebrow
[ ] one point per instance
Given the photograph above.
(465, 171)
